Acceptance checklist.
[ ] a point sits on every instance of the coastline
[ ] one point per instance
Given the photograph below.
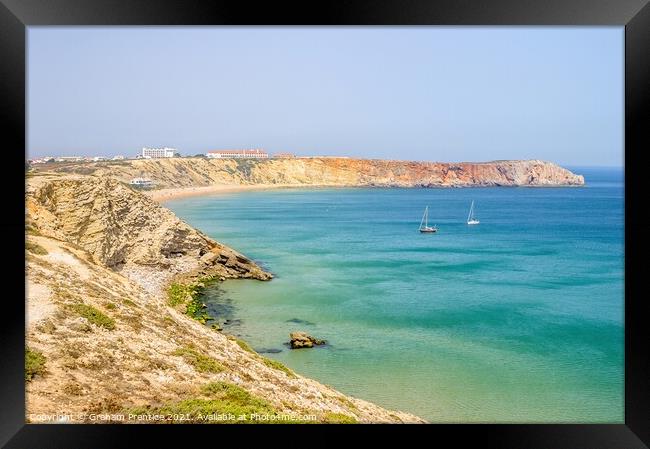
(164, 245)
(162, 195)
(87, 299)
(250, 302)
(184, 177)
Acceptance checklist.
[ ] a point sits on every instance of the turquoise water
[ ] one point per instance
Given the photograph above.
(518, 319)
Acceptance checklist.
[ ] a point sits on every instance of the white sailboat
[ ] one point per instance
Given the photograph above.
(471, 220)
(425, 221)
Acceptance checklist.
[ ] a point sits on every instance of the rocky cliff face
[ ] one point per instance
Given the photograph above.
(104, 339)
(128, 232)
(196, 172)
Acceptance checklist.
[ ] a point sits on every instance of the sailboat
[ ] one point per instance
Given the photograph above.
(471, 220)
(425, 221)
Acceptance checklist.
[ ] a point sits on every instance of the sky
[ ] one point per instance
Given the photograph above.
(411, 93)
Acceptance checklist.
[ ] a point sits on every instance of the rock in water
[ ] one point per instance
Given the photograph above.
(300, 321)
(269, 351)
(300, 340)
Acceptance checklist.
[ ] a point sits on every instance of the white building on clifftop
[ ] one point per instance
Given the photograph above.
(149, 153)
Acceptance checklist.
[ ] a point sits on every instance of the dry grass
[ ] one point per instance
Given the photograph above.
(93, 315)
(338, 418)
(279, 366)
(201, 362)
(133, 320)
(73, 389)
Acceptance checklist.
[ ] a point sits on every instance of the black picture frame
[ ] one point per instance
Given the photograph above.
(634, 15)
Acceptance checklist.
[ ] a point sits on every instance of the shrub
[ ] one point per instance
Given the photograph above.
(189, 295)
(94, 316)
(235, 394)
(34, 364)
(201, 362)
(338, 418)
(177, 294)
(195, 309)
(268, 362)
(193, 409)
(279, 366)
(245, 346)
(128, 302)
(223, 399)
(347, 402)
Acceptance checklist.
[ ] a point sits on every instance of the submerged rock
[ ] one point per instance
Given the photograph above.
(268, 351)
(232, 322)
(300, 340)
(299, 321)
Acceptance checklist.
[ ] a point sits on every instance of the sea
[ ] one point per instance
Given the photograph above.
(519, 319)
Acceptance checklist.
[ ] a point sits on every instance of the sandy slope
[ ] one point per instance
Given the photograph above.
(87, 245)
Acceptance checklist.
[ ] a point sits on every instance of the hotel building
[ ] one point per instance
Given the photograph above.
(149, 153)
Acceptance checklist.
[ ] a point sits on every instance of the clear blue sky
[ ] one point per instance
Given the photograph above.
(422, 93)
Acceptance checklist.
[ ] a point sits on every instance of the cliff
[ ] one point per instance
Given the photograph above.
(197, 172)
(127, 232)
(104, 337)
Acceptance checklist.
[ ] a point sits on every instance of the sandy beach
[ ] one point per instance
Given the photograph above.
(162, 195)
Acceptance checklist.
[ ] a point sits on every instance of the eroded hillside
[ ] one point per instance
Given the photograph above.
(103, 336)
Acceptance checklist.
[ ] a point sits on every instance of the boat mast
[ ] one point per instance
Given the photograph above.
(425, 216)
(471, 210)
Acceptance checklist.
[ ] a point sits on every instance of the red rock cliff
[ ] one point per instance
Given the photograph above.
(196, 172)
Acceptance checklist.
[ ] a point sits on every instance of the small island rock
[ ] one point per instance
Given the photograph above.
(300, 340)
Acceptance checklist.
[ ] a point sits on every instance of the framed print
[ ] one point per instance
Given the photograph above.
(422, 215)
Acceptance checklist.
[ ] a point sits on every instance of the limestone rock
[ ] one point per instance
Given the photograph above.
(300, 340)
(121, 227)
(209, 258)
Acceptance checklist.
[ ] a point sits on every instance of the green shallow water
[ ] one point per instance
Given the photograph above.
(518, 319)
